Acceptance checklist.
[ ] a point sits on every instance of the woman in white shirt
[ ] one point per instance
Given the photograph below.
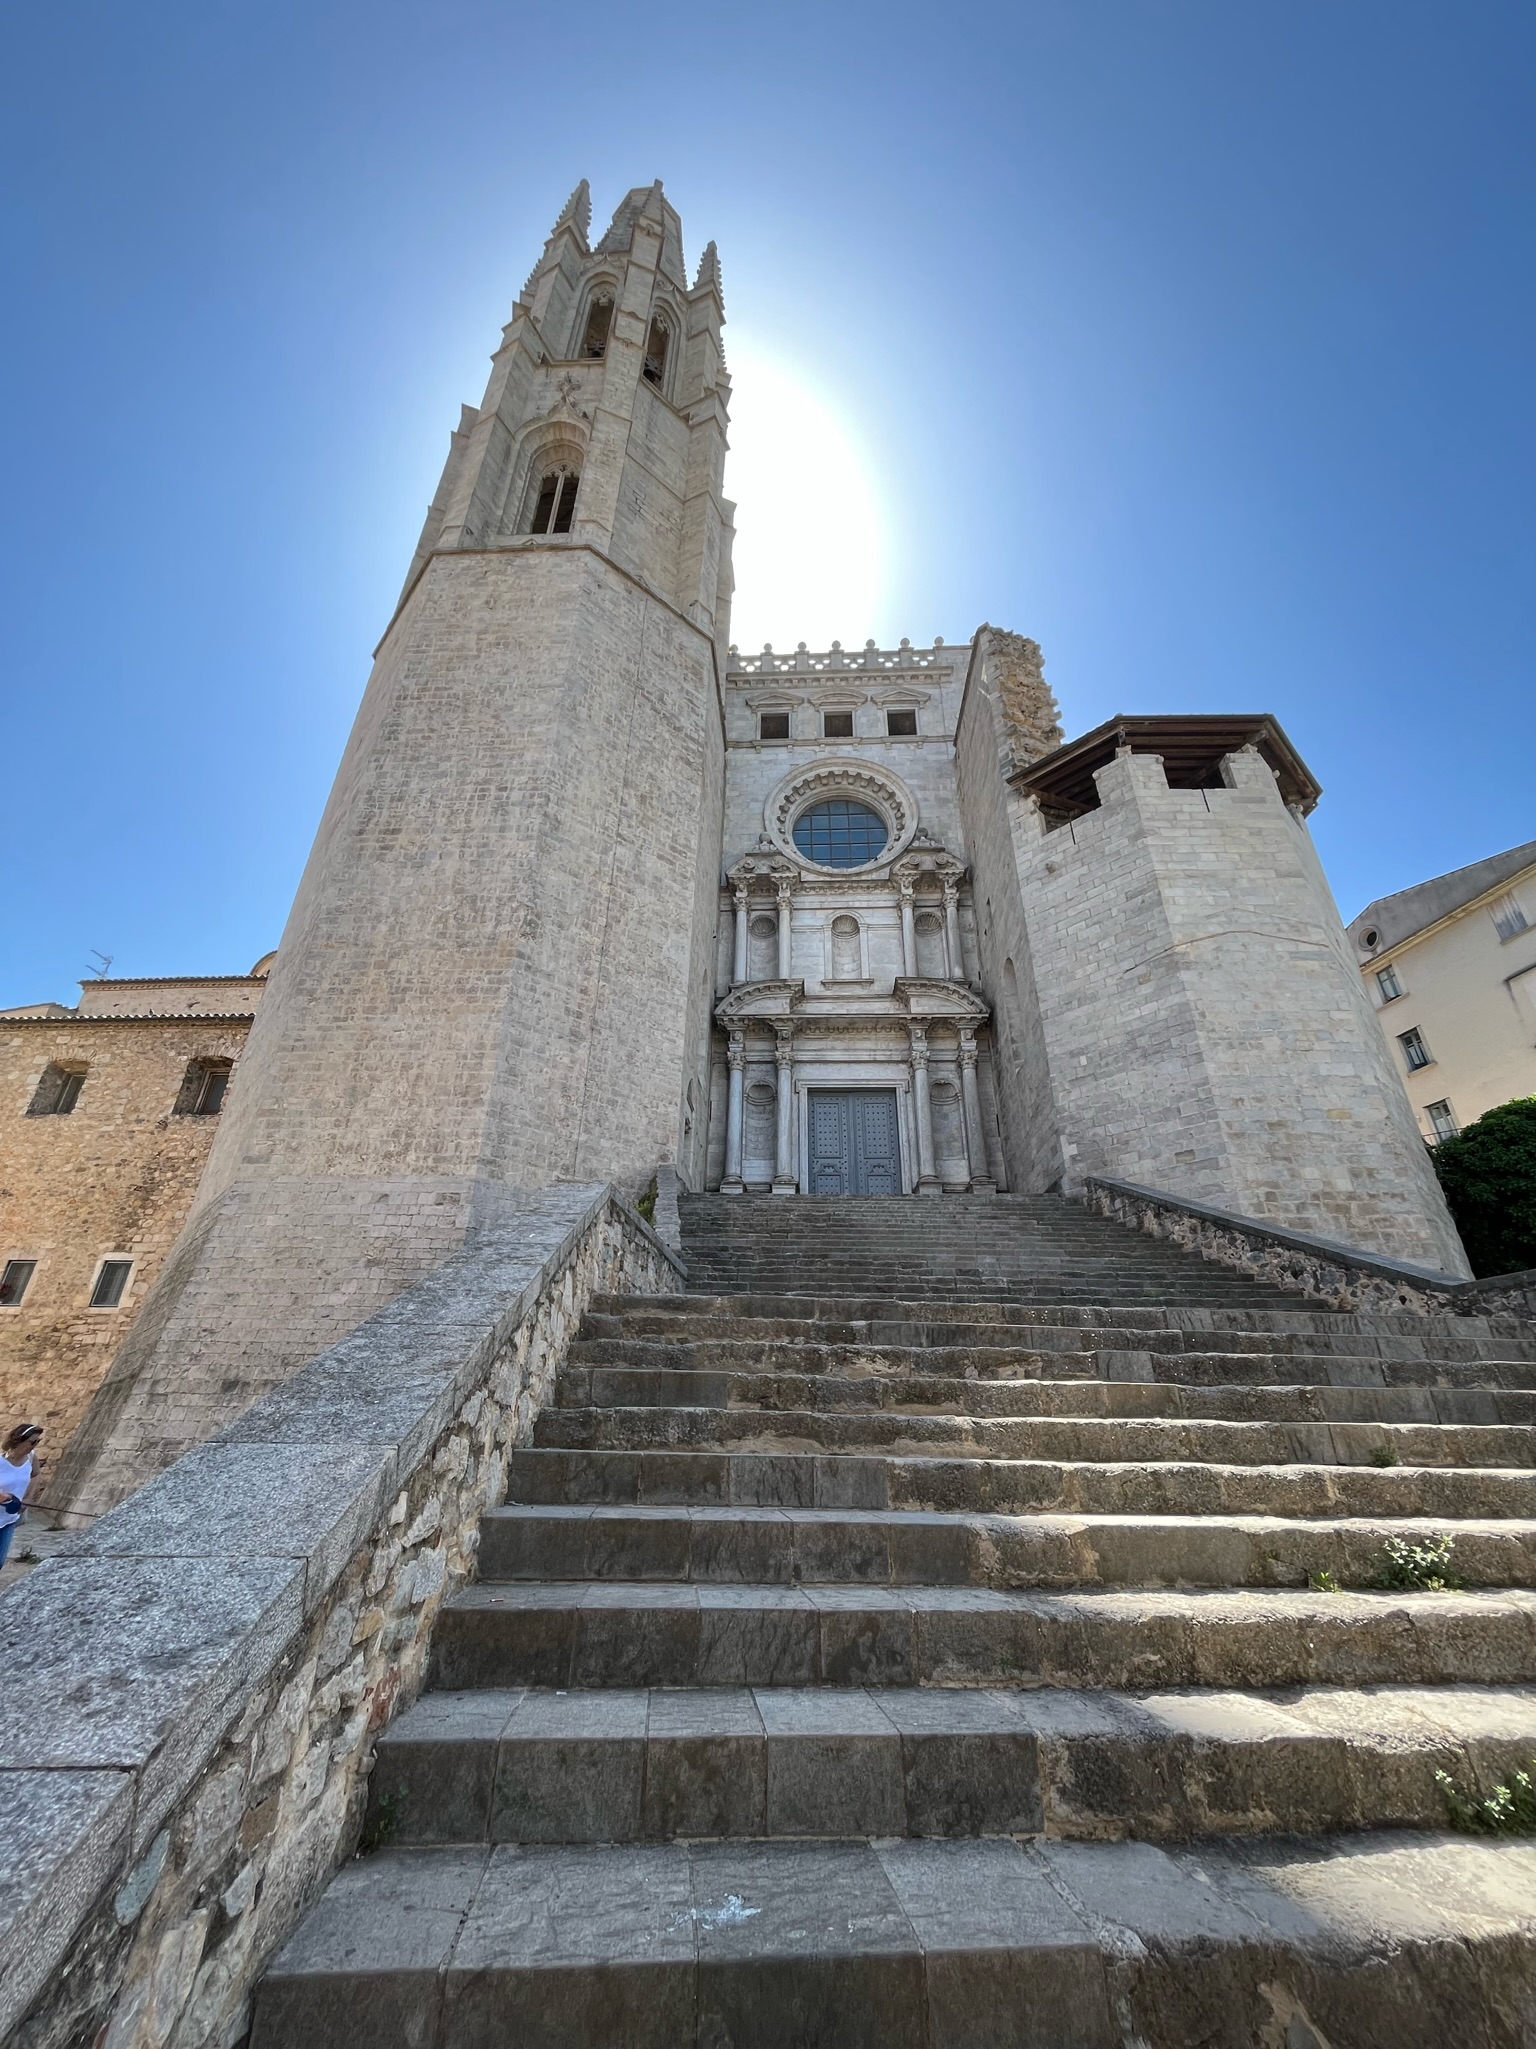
(16, 1478)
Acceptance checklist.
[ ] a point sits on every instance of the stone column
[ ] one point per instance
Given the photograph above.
(908, 926)
(954, 957)
(928, 1182)
(736, 1055)
(975, 1132)
(739, 970)
(784, 1148)
(785, 906)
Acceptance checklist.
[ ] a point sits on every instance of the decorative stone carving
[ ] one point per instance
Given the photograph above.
(863, 781)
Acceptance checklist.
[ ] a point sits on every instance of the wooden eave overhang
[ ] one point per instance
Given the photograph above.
(1192, 748)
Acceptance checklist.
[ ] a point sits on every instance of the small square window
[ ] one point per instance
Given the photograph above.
(1388, 984)
(837, 725)
(110, 1283)
(13, 1282)
(1509, 920)
(58, 1091)
(1442, 1120)
(1415, 1052)
(900, 723)
(773, 725)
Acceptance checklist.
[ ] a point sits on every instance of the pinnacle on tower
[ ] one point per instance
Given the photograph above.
(708, 278)
(576, 212)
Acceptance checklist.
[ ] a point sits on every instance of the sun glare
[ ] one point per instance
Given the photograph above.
(811, 542)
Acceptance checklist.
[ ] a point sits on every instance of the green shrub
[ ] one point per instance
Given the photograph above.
(1421, 1568)
(1488, 1173)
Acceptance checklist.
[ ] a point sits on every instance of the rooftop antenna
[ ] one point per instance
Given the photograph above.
(105, 969)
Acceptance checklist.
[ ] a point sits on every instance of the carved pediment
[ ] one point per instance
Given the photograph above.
(764, 1000)
(939, 1000)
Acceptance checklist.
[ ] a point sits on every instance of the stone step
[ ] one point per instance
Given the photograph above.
(752, 1479)
(640, 1634)
(771, 1390)
(652, 1325)
(1186, 1368)
(1375, 1941)
(1296, 1315)
(789, 1547)
(1101, 1440)
(626, 1765)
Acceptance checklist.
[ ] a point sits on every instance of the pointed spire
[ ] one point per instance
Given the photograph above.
(708, 279)
(576, 212)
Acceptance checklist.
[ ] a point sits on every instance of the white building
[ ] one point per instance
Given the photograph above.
(1451, 968)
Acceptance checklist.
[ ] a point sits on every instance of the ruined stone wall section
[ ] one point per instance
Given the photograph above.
(116, 1176)
(187, 1751)
(1031, 717)
(1024, 1106)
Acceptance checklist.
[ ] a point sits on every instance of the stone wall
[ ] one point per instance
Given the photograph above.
(1205, 1027)
(186, 1743)
(117, 1175)
(1343, 1276)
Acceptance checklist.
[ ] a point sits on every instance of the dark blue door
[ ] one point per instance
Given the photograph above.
(854, 1145)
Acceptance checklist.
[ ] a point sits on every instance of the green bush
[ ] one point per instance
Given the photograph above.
(1489, 1177)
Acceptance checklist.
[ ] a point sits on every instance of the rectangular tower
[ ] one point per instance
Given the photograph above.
(498, 968)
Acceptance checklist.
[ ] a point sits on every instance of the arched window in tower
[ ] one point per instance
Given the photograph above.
(554, 502)
(847, 956)
(657, 343)
(594, 340)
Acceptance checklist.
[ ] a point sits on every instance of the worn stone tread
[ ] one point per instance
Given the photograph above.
(1377, 1941)
(625, 1765)
(788, 1546)
(824, 1479)
(657, 1633)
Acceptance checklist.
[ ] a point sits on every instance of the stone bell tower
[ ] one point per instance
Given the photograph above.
(497, 971)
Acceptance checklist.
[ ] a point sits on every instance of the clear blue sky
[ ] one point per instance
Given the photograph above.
(1193, 339)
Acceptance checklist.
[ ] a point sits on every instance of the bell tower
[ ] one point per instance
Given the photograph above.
(498, 968)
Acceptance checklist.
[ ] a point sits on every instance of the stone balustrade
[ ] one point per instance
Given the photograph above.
(1343, 1276)
(193, 1691)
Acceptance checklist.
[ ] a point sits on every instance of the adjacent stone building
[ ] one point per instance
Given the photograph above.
(1450, 968)
(596, 892)
(107, 1114)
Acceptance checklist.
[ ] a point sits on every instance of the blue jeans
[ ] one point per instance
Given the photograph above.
(5, 1540)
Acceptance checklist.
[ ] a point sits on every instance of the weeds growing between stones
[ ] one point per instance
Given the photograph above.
(1507, 1811)
(1418, 1568)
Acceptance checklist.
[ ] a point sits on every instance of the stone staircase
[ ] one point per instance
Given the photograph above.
(922, 1656)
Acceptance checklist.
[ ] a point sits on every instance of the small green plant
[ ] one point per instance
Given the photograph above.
(384, 1817)
(646, 1204)
(1420, 1568)
(1324, 1582)
(1385, 1455)
(1507, 1811)
(27, 1556)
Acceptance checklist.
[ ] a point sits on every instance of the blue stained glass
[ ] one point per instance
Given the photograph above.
(840, 834)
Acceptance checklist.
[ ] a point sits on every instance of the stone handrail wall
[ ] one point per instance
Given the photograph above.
(192, 1692)
(1343, 1276)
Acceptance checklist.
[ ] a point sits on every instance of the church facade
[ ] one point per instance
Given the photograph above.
(596, 891)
